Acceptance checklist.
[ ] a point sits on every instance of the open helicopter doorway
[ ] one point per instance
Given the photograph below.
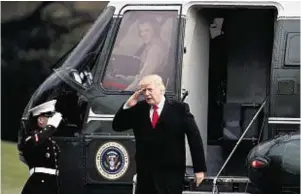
(228, 59)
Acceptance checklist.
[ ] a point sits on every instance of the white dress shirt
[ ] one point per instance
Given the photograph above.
(159, 110)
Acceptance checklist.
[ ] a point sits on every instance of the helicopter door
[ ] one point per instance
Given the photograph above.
(285, 90)
(144, 41)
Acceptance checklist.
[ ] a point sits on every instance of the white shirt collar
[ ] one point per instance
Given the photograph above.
(161, 104)
(160, 107)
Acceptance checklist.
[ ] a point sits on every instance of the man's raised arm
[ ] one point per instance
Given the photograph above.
(125, 117)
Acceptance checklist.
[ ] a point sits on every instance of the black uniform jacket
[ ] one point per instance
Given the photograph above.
(39, 150)
(162, 148)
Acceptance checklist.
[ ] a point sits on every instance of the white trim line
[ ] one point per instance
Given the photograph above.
(99, 117)
(191, 4)
(284, 122)
(102, 115)
(150, 8)
(284, 119)
(156, 7)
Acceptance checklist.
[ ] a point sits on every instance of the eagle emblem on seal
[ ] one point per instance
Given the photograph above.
(112, 160)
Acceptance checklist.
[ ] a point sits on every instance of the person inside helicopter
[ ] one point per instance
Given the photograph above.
(148, 58)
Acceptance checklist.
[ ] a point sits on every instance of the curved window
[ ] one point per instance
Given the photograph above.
(146, 44)
(292, 51)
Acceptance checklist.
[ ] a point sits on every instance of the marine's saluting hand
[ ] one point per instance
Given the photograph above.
(55, 120)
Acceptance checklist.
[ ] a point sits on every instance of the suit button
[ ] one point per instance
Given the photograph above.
(47, 148)
(47, 155)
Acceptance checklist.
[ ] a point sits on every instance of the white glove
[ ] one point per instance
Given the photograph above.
(55, 120)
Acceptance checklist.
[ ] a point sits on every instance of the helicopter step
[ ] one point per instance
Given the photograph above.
(226, 179)
(226, 184)
(207, 192)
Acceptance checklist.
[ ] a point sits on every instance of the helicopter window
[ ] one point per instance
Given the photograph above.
(145, 44)
(292, 54)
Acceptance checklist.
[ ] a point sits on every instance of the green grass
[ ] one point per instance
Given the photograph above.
(13, 172)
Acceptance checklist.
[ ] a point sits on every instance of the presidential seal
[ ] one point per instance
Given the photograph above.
(112, 160)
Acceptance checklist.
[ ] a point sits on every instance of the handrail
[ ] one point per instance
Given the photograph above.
(214, 189)
(265, 118)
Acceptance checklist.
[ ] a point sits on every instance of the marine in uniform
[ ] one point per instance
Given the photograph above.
(40, 152)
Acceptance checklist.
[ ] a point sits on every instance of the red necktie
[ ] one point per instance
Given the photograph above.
(155, 116)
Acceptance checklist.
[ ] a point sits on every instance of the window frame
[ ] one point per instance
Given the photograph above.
(110, 43)
(287, 46)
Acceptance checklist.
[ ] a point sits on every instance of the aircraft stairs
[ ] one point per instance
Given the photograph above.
(225, 184)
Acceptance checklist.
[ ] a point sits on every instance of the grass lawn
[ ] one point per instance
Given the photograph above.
(13, 172)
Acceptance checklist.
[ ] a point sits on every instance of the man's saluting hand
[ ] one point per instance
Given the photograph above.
(132, 101)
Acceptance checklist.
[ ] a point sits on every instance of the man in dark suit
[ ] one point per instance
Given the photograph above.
(159, 127)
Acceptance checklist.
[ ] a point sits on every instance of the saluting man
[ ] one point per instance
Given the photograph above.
(40, 152)
(160, 126)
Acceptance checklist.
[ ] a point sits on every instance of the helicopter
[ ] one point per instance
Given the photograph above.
(238, 61)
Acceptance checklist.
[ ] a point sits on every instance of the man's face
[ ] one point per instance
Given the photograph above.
(146, 32)
(152, 93)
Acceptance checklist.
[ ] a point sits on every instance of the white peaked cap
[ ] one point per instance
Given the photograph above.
(43, 108)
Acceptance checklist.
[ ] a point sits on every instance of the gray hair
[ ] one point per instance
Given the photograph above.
(155, 79)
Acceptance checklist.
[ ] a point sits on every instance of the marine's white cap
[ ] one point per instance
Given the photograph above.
(43, 108)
